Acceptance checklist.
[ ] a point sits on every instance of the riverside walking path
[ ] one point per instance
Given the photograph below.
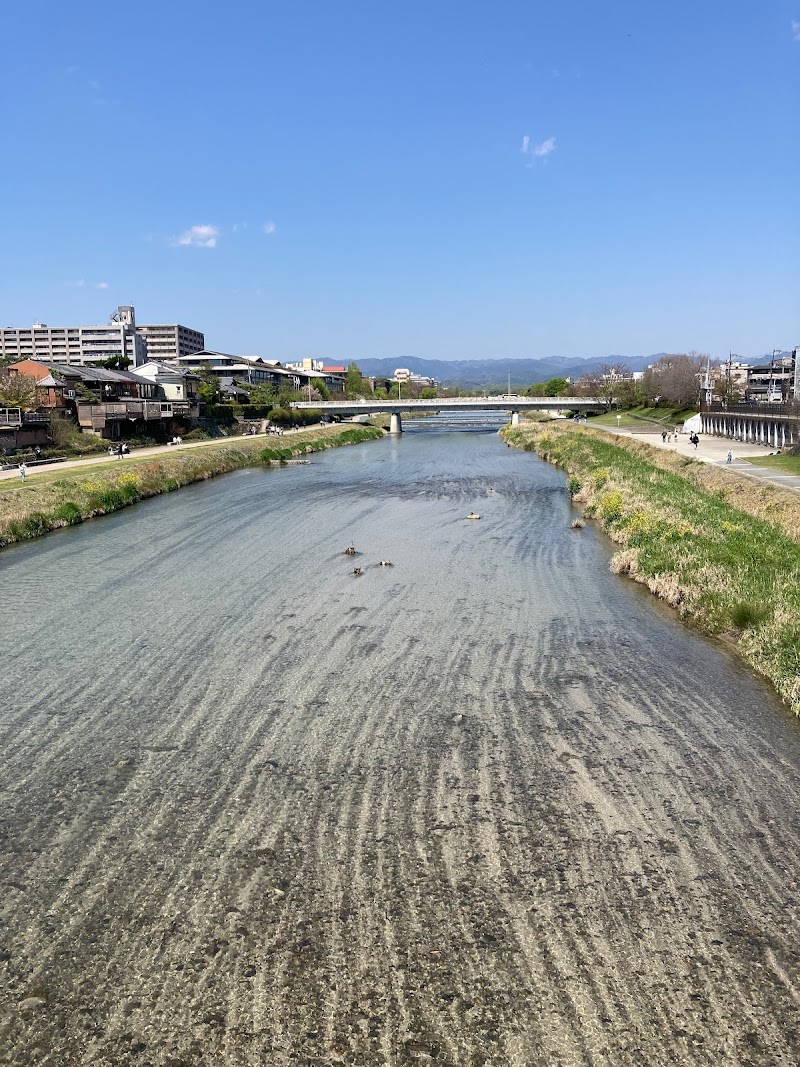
(714, 450)
(104, 460)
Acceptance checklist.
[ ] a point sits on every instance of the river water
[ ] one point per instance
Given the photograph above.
(489, 805)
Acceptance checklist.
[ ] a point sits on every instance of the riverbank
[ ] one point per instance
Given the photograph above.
(720, 550)
(40, 505)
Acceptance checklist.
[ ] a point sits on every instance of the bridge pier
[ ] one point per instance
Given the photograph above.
(395, 424)
(515, 418)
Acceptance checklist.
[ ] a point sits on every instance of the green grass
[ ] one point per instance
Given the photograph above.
(785, 463)
(726, 571)
(666, 417)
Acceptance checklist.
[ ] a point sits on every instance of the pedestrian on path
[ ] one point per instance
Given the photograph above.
(664, 437)
(23, 470)
(730, 456)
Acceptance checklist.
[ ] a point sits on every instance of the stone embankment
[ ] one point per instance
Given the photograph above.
(38, 506)
(722, 551)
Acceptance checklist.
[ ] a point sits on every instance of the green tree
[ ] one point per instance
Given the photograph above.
(355, 384)
(208, 389)
(556, 387)
(552, 387)
(112, 363)
(428, 393)
(263, 395)
(287, 396)
(323, 391)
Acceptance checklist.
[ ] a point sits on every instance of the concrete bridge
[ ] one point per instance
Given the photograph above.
(511, 404)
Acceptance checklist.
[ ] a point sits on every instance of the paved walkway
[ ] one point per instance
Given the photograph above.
(714, 450)
(138, 453)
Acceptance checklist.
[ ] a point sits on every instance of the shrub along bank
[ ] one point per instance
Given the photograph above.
(721, 550)
(38, 506)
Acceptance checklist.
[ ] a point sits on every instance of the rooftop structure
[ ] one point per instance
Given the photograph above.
(253, 370)
(101, 381)
(250, 369)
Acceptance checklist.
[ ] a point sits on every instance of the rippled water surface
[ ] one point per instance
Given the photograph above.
(490, 805)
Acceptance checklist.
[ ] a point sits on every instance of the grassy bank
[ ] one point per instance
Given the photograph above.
(719, 549)
(785, 463)
(43, 504)
(664, 418)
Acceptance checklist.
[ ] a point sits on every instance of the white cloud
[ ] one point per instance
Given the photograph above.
(199, 237)
(269, 228)
(83, 284)
(537, 151)
(102, 285)
(795, 30)
(238, 226)
(541, 151)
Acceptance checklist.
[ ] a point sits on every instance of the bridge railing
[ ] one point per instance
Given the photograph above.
(505, 403)
(791, 408)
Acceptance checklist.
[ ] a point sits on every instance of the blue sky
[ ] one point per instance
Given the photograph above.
(447, 178)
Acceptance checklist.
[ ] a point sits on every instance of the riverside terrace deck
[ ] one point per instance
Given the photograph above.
(774, 425)
(512, 404)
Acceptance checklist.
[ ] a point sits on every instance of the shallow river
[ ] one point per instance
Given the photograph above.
(490, 805)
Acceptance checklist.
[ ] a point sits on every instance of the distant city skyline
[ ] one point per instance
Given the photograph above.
(448, 183)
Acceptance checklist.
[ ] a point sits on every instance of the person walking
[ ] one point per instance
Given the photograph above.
(663, 437)
(23, 470)
(730, 456)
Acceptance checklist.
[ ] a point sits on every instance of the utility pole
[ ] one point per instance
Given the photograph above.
(772, 374)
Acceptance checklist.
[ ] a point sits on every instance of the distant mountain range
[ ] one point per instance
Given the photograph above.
(484, 373)
(487, 372)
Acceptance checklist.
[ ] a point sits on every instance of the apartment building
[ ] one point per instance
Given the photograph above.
(169, 342)
(95, 344)
(76, 344)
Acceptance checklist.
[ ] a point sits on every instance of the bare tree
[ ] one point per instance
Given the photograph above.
(675, 379)
(17, 391)
(603, 382)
